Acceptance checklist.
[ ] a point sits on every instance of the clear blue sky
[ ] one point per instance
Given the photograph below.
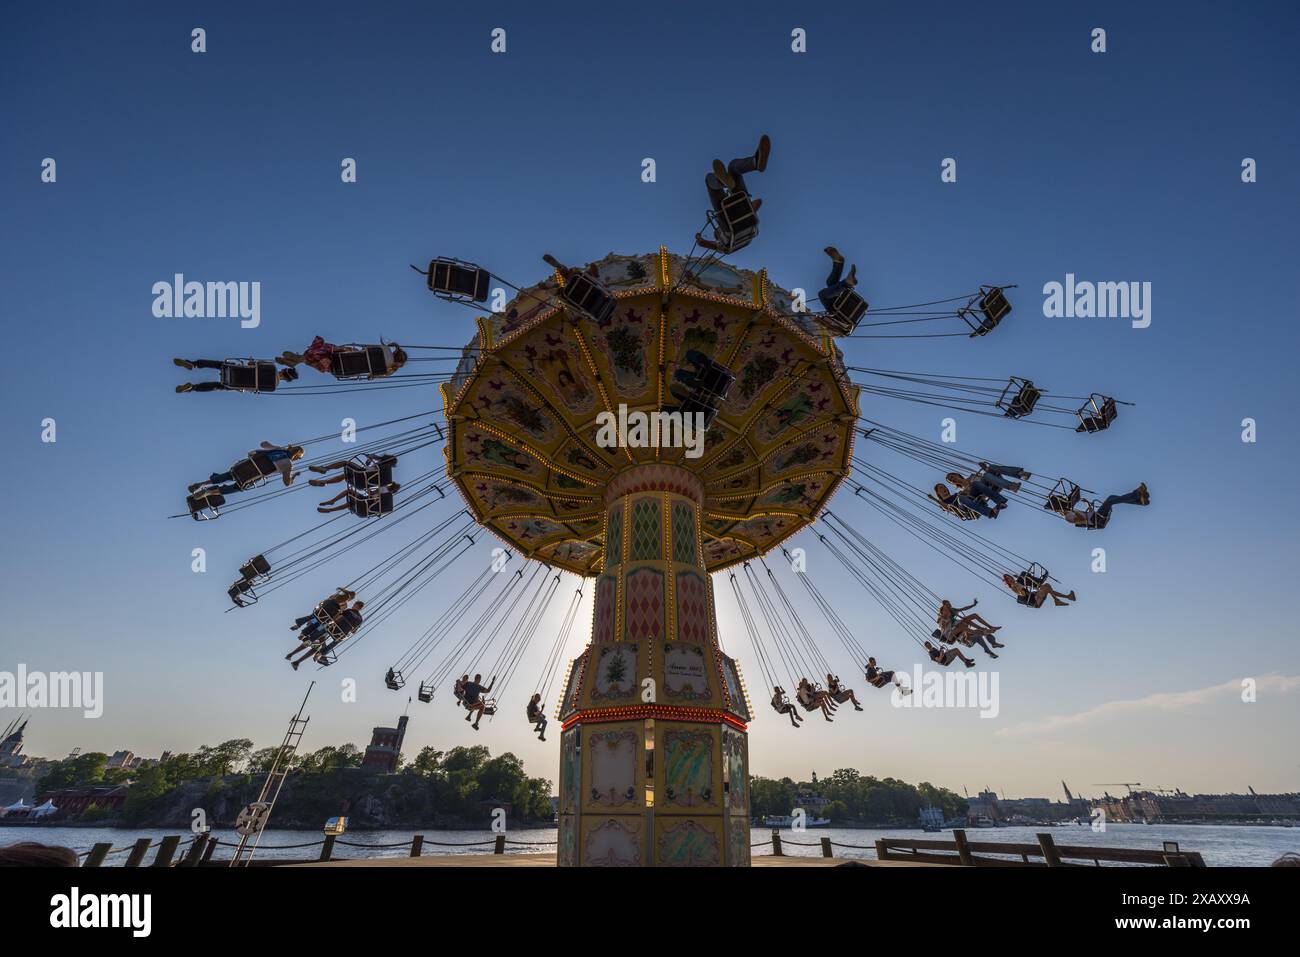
(225, 166)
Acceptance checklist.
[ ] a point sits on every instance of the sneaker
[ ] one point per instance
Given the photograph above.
(763, 152)
(295, 664)
(852, 280)
(196, 486)
(971, 664)
(185, 387)
(1070, 596)
(993, 654)
(1144, 497)
(184, 363)
(318, 468)
(833, 253)
(317, 483)
(724, 177)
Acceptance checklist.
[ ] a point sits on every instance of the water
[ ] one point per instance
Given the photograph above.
(1219, 845)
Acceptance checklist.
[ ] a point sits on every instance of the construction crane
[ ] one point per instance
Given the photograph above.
(1116, 784)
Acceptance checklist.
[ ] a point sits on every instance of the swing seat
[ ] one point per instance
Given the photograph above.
(992, 308)
(585, 295)
(425, 693)
(1063, 496)
(956, 510)
(846, 310)
(371, 473)
(735, 222)
(710, 377)
(394, 680)
(458, 281)
(367, 506)
(205, 506)
(256, 570)
(1097, 413)
(252, 471)
(249, 375)
(242, 594)
(1018, 397)
(368, 362)
(701, 389)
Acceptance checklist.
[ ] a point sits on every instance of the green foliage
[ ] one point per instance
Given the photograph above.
(84, 769)
(853, 798)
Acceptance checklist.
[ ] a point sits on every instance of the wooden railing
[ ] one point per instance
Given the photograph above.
(1046, 853)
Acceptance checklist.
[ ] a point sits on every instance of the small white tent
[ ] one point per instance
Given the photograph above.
(19, 806)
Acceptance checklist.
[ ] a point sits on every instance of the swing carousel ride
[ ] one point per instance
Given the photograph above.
(653, 714)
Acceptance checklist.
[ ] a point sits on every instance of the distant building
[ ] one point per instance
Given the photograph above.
(122, 759)
(385, 747)
(18, 772)
(1179, 807)
(11, 747)
(72, 802)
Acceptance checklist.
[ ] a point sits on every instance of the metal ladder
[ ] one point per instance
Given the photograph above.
(280, 767)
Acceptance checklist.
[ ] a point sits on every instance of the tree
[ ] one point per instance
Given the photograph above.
(224, 758)
(150, 784)
(74, 772)
(428, 762)
(260, 761)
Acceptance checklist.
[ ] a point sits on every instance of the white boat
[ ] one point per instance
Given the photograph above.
(786, 821)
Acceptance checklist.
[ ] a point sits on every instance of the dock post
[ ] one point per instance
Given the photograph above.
(776, 843)
(212, 846)
(166, 850)
(138, 850)
(500, 847)
(417, 845)
(195, 852)
(882, 850)
(963, 849)
(1050, 854)
(826, 847)
(97, 854)
(327, 848)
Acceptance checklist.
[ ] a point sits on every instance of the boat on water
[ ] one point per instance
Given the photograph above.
(786, 821)
(931, 820)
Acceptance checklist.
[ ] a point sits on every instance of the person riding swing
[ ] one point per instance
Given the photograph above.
(839, 694)
(782, 705)
(537, 716)
(475, 704)
(812, 699)
(946, 656)
(878, 678)
(735, 213)
(236, 375)
(1033, 591)
(260, 463)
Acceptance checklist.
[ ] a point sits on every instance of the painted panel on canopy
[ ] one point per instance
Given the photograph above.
(549, 356)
